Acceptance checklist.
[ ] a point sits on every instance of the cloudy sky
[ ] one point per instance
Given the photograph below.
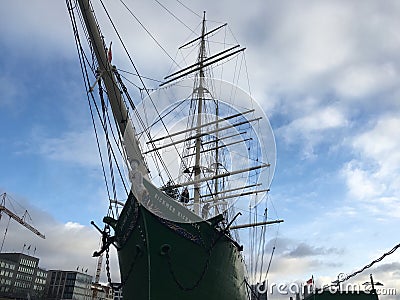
(327, 74)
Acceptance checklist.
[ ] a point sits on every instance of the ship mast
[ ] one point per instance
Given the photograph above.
(200, 91)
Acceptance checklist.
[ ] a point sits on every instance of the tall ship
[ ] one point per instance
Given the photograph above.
(181, 163)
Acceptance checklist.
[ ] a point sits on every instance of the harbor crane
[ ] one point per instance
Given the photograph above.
(21, 220)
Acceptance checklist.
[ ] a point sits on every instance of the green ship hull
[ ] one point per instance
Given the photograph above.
(160, 259)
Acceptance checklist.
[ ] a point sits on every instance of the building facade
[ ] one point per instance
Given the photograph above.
(117, 289)
(21, 277)
(68, 285)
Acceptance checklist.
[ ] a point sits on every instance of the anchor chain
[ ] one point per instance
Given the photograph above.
(138, 252)
(124, 280)
(206, 265)
(197, 283)
(108, 267)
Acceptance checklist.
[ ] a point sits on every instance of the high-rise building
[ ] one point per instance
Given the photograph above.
(21, 277)
(68, 285)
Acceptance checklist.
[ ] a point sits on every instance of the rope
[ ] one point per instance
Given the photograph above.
(274, 247)
(141, 80)
(172, 14)
(252, 292)
(119, 150)
(85, 76)
(109, 150)
(103, 124)
(370, 264)
(125, 90)
(189, 9)
(103, 120)
(262, 245)
(83, 63)
(270, 260)
(145, 29)
(133, 74)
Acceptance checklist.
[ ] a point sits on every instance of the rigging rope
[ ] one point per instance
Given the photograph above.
(145, 29)
(275, 240)
(133, 74)
(109, 149)
(269, 263)
(108, 141)
(86, 80)
(262, 244)
(125, 90)
(172, 14)
(90, 97)
(116, 90)
(142, 82)
(252, 238)
(189, 9)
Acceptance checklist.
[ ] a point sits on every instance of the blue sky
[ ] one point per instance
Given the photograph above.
(327, 74)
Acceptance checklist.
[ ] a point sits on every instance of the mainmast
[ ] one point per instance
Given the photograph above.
(200, 92)
(118, 107)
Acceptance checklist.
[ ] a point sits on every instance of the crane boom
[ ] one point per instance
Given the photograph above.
(98, 270)
(19, 220)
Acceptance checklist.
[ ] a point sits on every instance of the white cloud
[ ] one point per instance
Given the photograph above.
(312, 124)
(361, 183)
(40, 28)
(364, 80)
(72, 147)
(372, 176)
(320, 120)
(74, 226)
(318, 35)
(381, 145)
